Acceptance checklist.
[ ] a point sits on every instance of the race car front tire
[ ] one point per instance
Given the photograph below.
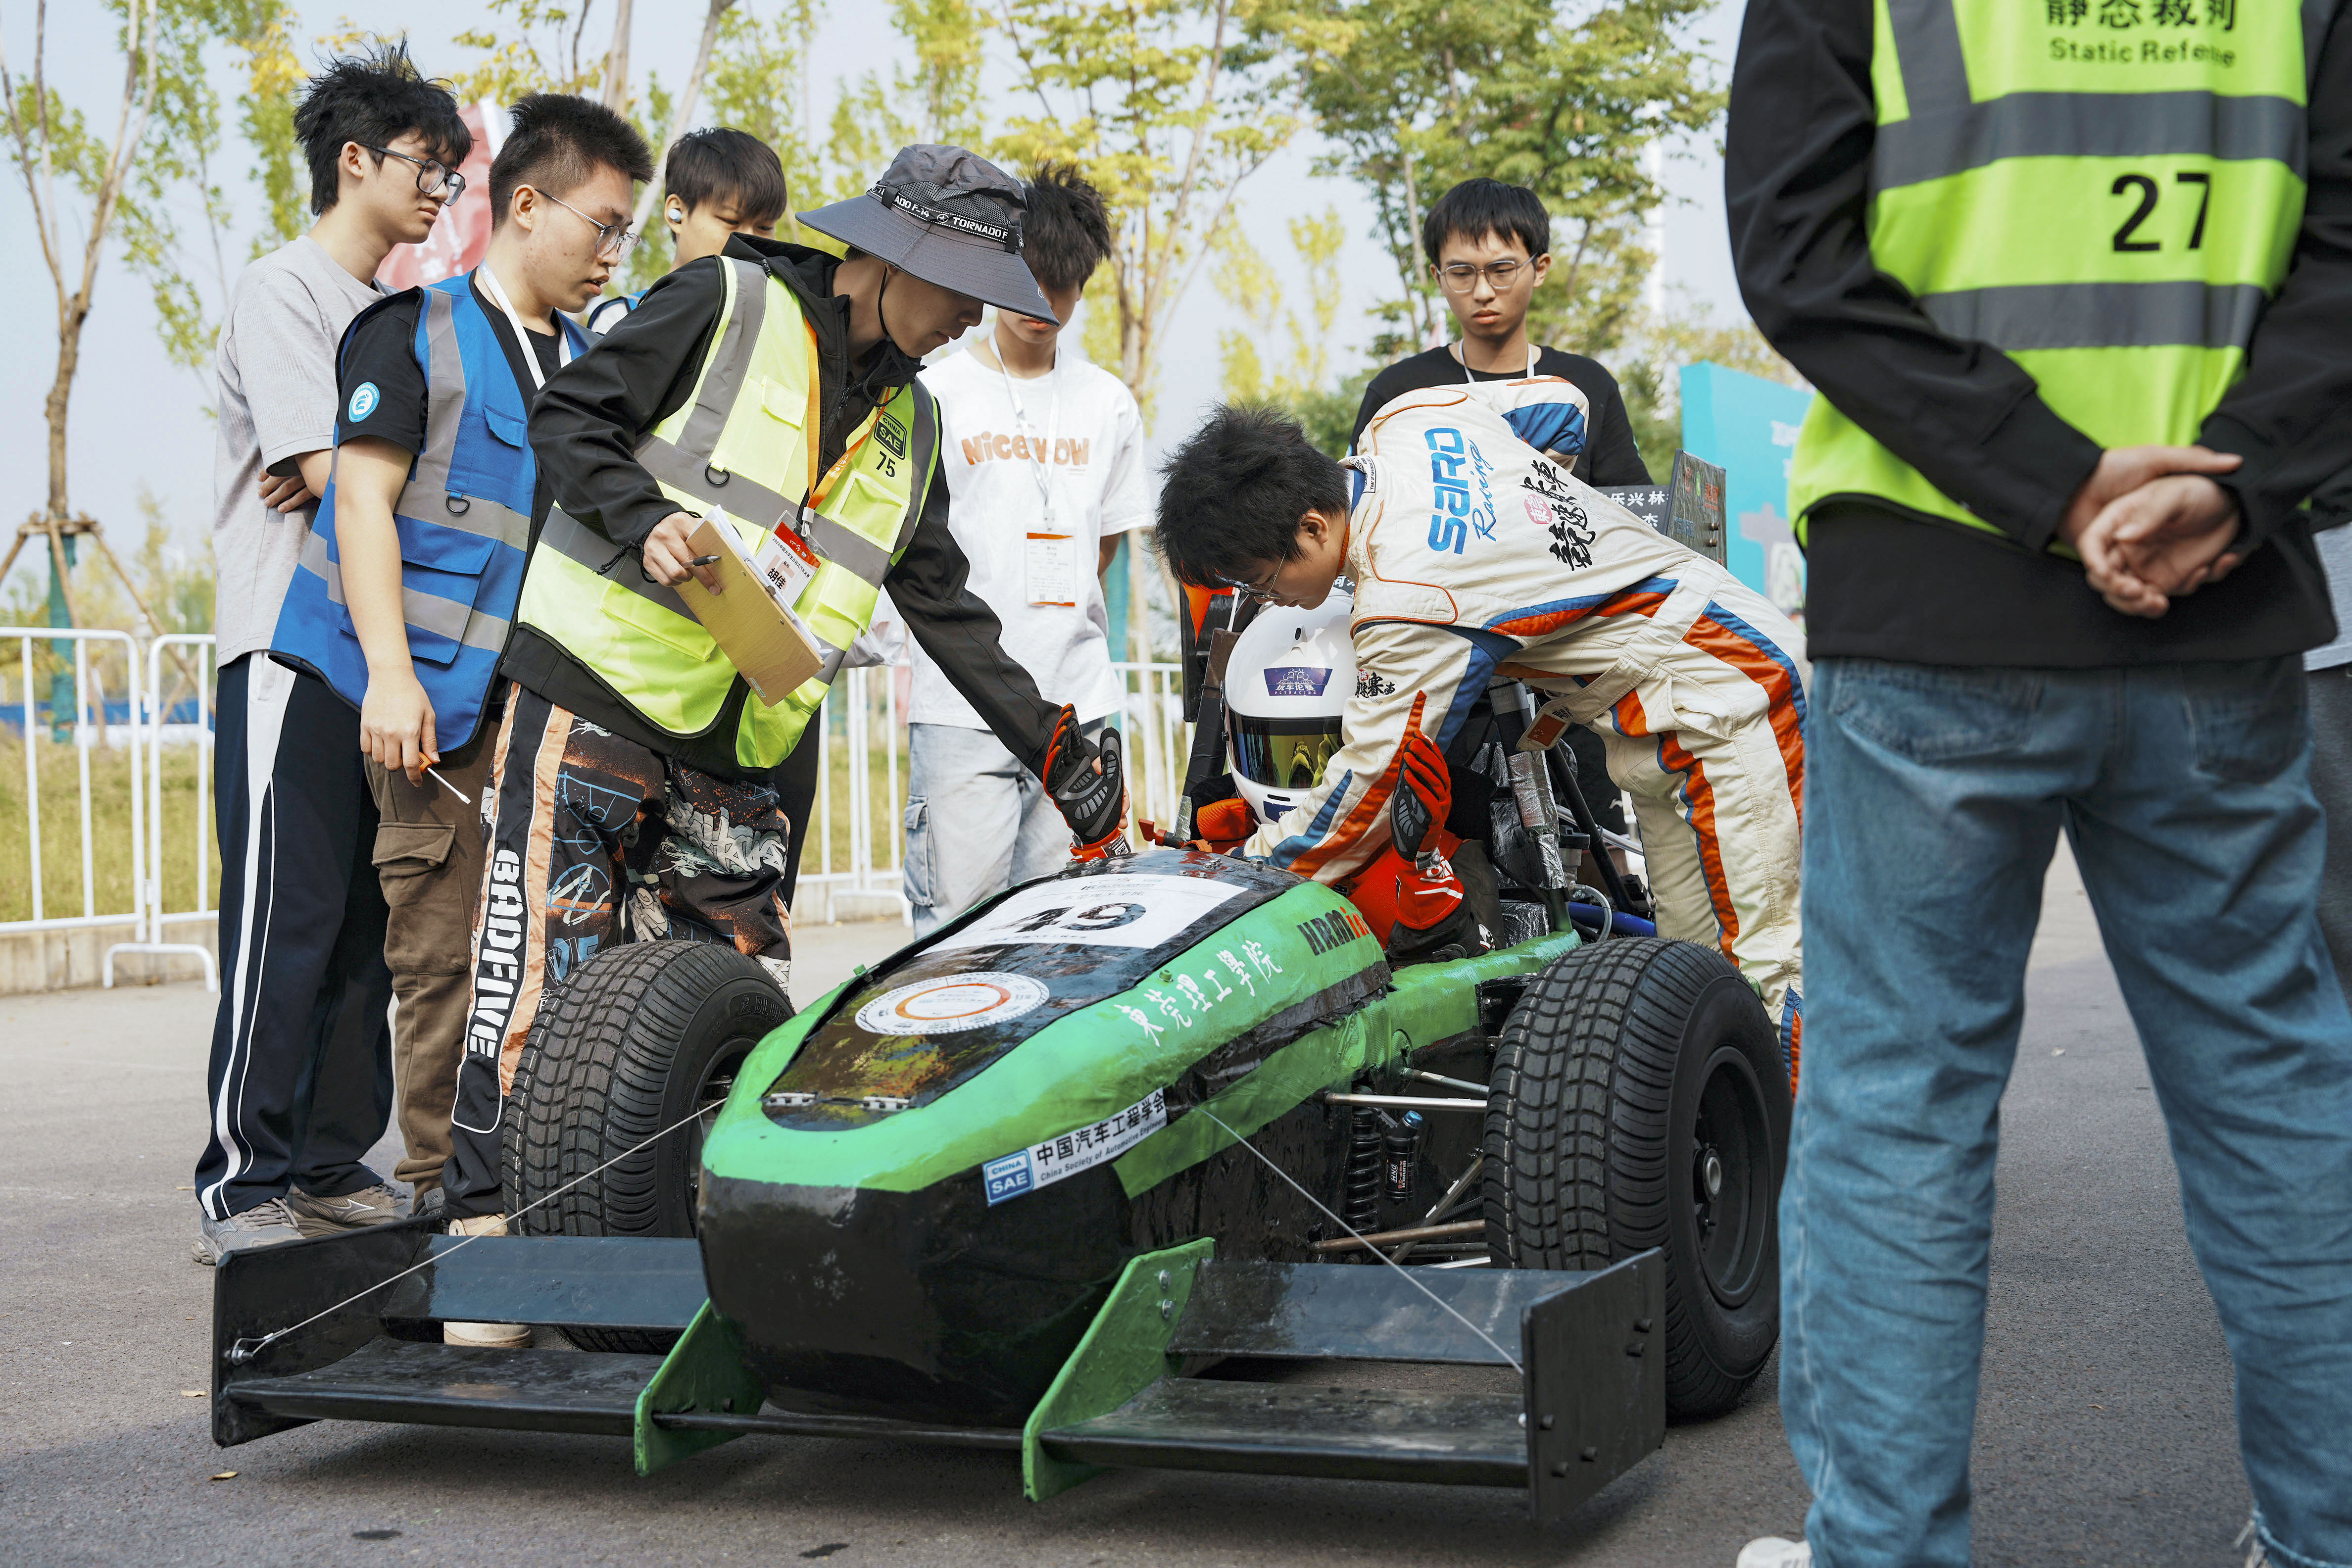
(1638, 1101)
(640, 1038)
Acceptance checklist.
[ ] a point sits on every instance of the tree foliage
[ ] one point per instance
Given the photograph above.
(1248, 282)
(1565, 102)
(1649, 373)
(540, 53)
(1166, 106)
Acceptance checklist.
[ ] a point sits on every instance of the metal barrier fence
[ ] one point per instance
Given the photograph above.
(865, 700)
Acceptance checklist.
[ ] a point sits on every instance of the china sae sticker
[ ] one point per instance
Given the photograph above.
(1082, 1149)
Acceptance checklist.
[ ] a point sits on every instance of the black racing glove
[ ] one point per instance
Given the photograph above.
(1094, 803)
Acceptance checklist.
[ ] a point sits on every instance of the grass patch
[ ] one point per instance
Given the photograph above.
(109, 836)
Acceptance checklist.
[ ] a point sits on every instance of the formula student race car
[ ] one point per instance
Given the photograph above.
(1048, 1179)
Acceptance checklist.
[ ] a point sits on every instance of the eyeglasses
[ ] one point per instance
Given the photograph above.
(434, 178)
(612, 241)
(1461, 278)
(1264, 592)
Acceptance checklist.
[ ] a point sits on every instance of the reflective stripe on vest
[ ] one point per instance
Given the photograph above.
(2109, 191)
(463, 519)
(740, 441)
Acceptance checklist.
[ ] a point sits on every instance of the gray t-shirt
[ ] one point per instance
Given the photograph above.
(276, 370)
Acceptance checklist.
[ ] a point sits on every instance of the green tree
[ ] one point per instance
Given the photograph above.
(50, 138)
(1434, 92)
(1649, 371)
(934, 98)
(542, 55)
(1247, 282)
(758, 84)
(1167, 106)
(273, 80)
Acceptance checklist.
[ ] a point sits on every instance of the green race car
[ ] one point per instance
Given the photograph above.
(1025, 1182)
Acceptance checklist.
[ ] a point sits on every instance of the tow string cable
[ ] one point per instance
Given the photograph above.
(1376, 1252)
(244, 1350)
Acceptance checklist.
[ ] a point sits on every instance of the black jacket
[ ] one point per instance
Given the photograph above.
(598, 410)
(1887, 583)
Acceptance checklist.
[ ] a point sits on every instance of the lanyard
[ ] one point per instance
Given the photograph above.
(1044, 472)
(815, 434)
(522, 338)
(1460, 353)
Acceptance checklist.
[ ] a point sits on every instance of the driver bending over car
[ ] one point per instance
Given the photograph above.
(1476, 556)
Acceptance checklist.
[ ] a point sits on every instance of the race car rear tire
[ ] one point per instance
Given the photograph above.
(1638, 1101)
(637, 1039)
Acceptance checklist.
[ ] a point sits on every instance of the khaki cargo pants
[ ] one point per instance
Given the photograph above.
(428, 857)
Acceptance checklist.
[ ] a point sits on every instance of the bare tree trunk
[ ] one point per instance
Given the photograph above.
(60, 398)
(73, 308)
(616, 59)
(684, 116)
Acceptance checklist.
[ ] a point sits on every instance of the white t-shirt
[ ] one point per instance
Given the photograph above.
(1096, 482)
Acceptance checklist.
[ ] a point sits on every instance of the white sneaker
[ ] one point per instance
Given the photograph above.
(1772, 1551)
(485, 1336)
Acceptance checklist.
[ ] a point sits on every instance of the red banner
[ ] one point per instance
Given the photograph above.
(462, 235)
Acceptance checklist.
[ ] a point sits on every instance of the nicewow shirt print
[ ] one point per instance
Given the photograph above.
(1039, 471)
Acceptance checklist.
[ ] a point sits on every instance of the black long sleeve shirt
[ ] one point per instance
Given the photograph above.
(1889, 583)
(596, 412)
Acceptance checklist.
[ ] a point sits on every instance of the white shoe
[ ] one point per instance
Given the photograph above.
(485, 1336)
(1772, 1551)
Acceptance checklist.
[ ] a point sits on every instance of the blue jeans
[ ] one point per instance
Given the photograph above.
(977, 821)
(1934, 800)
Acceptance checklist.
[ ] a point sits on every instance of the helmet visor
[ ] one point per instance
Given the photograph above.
(1284, 753)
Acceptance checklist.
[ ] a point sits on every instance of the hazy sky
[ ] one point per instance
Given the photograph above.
(138, 421)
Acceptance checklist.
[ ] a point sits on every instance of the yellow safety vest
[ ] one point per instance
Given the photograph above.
(2109, 191)
(746, 440)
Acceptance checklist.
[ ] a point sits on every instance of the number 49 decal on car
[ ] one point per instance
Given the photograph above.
(1089, 912)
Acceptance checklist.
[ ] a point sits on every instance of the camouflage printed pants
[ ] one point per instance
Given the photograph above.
(595, 840)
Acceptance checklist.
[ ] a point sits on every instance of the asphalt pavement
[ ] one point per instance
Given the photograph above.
(2104, 1436)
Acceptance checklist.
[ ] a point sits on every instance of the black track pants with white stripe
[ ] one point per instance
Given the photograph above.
(301, 1064)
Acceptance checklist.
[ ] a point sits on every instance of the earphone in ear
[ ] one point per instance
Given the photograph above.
(677, 212)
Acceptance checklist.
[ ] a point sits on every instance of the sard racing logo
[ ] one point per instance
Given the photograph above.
(1451, 520)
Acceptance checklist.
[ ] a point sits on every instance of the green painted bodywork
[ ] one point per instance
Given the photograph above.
(1124, 1350)
(704, 1372)
(1097, 1061)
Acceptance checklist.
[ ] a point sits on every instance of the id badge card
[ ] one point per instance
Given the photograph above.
(786, 565)
(1053, 569)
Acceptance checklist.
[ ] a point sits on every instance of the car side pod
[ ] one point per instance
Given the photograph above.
(292, 1345)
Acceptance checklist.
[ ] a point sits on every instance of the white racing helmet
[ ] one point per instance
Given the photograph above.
(1287, 683)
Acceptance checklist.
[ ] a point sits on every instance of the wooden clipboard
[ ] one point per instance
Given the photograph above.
(751, 624)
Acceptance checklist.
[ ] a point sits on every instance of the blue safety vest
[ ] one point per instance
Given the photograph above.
(464, 519)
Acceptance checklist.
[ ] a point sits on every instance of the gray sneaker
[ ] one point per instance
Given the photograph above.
(263, 1225)
(378, 1204)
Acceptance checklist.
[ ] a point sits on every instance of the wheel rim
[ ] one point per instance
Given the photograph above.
(717, 1081)
(1730, 1187)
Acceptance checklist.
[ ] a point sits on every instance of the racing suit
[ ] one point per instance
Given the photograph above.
(1476, 557)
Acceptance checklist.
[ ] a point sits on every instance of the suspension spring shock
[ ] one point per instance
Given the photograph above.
(1360, 1201)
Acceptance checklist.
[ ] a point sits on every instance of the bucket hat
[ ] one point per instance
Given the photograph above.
(949, 218)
